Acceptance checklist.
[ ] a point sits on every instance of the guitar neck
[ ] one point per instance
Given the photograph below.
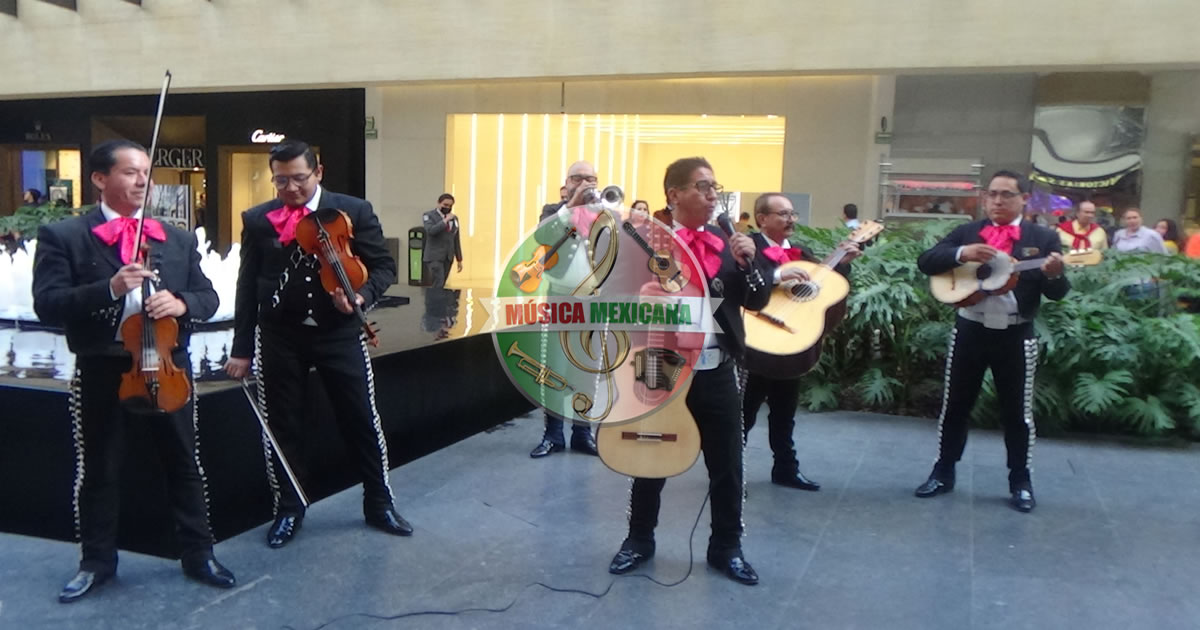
(637, 238)
(1032, 263)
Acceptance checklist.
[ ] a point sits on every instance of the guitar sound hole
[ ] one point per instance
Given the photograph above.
(804, 290)
(663, 264)
(983, 272)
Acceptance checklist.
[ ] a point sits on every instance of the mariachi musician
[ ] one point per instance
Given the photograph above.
(996, 333)
(86, 279)
(776, 220)
(289, 324)
(734, 273)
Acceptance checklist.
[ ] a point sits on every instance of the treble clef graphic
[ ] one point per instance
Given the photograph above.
(607, 363)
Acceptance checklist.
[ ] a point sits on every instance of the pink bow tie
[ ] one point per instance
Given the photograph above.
(285, 220)
(779, 255)
(1001, 237)
(706, 246)
(124, 229)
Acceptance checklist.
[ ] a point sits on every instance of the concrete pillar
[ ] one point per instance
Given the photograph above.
(1173, 123)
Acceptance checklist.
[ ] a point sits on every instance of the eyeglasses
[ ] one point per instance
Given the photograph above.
(704, 186)
(578, 179)
(282, 181)
(787, 215)
(1002, 194)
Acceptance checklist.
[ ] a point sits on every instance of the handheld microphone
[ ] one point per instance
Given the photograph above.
(727, 227)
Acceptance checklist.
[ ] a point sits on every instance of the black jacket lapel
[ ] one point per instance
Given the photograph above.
(110, 253)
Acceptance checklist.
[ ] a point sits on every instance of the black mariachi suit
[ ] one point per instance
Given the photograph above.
(781, 395)
(279, 288)
(71, 277)
(1011, 352)
(553, 425)
(714, 402)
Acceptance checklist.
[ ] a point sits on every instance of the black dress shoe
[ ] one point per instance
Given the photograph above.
(627, 560)
(1022, 498)
(206, 570)
(390, 522)
(83, 583)
(545, 448)
(795, 480)
(586, 445)
(283, 530)
(735, 568)
(933, 487)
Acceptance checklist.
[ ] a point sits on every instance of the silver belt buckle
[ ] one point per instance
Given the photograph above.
(710, 358)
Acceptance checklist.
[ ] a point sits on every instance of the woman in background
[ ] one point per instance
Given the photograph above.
(1169, 231)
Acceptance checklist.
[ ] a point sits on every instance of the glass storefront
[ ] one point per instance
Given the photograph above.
(55, 172)
(502, 168)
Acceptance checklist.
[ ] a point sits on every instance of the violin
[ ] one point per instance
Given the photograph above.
(527, 275)
(328, 234)
(153, 381)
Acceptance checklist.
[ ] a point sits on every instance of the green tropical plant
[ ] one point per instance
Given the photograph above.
(26, 220)
(1118, 355)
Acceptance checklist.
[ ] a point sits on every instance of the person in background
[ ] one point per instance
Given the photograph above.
(850, 216)
(443, 241)
(1192, 249)
(1083, 232)
(744, 226)
(1135, 236)
(1169, 231)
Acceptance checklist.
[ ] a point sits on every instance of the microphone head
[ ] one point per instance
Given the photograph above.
(725, 223)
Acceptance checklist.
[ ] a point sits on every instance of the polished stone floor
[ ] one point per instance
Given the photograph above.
(1112, 544)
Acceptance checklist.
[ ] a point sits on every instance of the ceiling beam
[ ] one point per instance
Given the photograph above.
(66, 4)
(137, 2)
(9, 7)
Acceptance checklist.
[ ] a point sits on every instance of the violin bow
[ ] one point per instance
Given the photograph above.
(287, 468)
(162, 101)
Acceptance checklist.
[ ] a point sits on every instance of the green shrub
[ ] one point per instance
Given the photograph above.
(1118, 354)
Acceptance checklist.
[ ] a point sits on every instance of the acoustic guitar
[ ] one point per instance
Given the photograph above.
(970, 282)
(527, 275)
(661, 263)
(665, 442)
(783, 339)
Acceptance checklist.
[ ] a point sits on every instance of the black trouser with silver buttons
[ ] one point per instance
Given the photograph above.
(714, 403)
(781, 396)
(100, 423)
(1012, 355)
(285, 355)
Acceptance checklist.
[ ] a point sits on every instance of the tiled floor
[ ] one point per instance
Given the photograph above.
(1112, 544)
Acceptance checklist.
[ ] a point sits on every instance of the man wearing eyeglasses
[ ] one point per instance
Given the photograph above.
(581, 178)
(996, 333)
(776, 221)
(442, 241)
(286, 320)
(734, 273)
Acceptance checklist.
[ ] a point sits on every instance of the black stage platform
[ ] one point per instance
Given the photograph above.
(436, 383)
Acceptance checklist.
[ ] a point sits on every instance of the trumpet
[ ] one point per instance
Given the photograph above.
(610, 198)
(541, 374)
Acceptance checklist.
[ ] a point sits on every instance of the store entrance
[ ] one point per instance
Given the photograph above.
(245, 183)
